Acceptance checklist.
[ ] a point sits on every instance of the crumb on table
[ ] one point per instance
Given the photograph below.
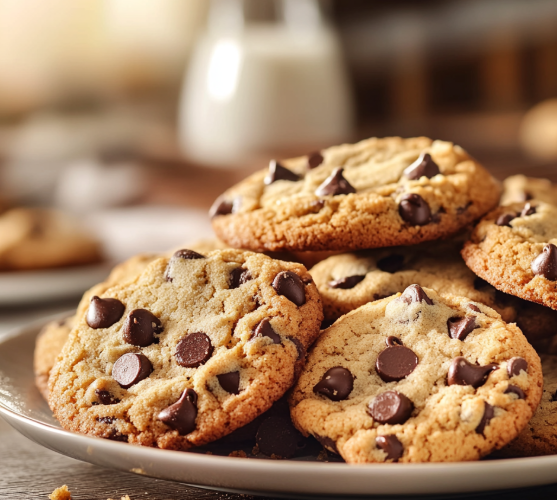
(61, 493)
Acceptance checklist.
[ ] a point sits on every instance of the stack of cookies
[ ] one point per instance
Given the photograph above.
(392, 348)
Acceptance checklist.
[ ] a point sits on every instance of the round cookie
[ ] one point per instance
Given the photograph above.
(376, 193)
(519, 188)
(53, 336)
(417, 377)
(539, 436)
(33, 238)
(190, 350)
(513, 248)
(348, 281)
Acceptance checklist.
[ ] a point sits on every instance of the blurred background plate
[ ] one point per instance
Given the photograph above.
(49, 285)
(23, 408)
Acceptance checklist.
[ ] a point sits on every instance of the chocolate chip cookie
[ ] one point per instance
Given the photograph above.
(348, 281)
(53, 336)
(417, 378)
(195, 347)
(376, 193)
(539, 436)
(32, 238)
(513, 248)
(519, 189)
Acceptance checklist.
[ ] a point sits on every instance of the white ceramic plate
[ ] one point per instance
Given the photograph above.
(29, 287)
(22, 407)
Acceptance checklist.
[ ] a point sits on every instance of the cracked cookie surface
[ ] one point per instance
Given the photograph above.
(193, 348)
(387, 192)
(417, 377)
(513, 248)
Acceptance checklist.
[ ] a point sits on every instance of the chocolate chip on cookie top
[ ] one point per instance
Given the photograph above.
(377, 193)
(386, 377)
(200, 346)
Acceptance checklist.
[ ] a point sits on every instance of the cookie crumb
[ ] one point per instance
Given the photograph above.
(255, 450)
(238, 454)
(61, 493)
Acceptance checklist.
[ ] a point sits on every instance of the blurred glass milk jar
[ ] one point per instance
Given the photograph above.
(267, 78)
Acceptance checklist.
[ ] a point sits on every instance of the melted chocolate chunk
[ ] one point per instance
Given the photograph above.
(414, 209)
(327, 442)
(140, 328)
(314, 160)
(239, 276)
(391, 264)
(181, 415)
(105, 420)
(505, 219)
(103, 313)
(474, 308)
(424, 166)
(391, 408)
(105, 398)
(415, 293)
(277, 436)
(396, 363)
(193, 350)
(391, 446)
(459, 328)
(264, 329)
(336, 384)
(335, 184)
(461, 372)
(221, 206)
(528, 209)
(489, 413)
(516, 365)
(289, 284)
(130, 369)
(116, 435)
(545, 264)
(187, 255)
(279, 173)
(514, 389)
(230, 382)
(347, 282)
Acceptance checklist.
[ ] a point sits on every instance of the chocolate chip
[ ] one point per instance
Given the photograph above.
(395, 363)
(193, 350)
(516, 365)
(415, 293)
(221, 206)
(264, 329)
(459, 328)
(181, 415)
(314, 160)
(393, 341)
(239, 276)
(391, 264)
(336, 384)
(414, 209)
(103, 313)
(115, 435)
(474, 307)
(335, 184)
(327, 442)
(230, 382)
(347, 282)
(461, 372)
(505, 219)
(278, 173)
(316, 206)
(545, 264)
(140, 328)
(277, 436)
(528, 209)
(514, 389)
(105, 398)
(424, 166)
(291, 286)
(391, 446)
(489, 413)
(131, 368)
(105, 420)
(391, 408)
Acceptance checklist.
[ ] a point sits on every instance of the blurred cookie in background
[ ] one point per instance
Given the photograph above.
(519, 188)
